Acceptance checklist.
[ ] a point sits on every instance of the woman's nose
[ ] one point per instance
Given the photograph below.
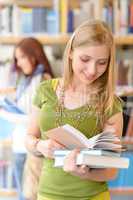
(91, 69)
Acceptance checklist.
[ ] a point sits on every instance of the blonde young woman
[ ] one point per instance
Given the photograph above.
(84, 98)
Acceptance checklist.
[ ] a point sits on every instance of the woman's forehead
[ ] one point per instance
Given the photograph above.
(102, 51)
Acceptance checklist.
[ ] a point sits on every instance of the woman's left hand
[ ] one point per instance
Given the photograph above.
(71, 167)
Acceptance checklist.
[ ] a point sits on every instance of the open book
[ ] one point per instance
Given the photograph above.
(93, 159)
(72, 138)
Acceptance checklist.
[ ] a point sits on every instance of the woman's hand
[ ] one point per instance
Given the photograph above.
(47, 147)
(71, 167)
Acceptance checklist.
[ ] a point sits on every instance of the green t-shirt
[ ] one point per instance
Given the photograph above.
(56, 184)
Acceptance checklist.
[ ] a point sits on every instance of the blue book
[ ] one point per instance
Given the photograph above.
(26, 20)
(10, 106)
(52, 21)
(70, 22)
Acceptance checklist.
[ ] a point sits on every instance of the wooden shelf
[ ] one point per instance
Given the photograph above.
(8, 192)
(44, 39)
(74, 3)
(59, 39)
(38, 3)
(8, 90)
(27, 3)
(121, 191)
(35, 3)
(7, 2)
(6, 142)
(124, 40)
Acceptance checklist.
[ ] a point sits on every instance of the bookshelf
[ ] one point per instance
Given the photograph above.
(58, 38)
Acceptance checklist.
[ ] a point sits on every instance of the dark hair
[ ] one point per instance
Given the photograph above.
(31, 47)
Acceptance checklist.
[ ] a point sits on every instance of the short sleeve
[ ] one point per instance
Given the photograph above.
(39, 98)
(116, 108)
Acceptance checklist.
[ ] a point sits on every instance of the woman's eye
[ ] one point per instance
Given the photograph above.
(103, 63)
(84, 59)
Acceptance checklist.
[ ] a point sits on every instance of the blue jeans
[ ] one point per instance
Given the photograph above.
(18, 163)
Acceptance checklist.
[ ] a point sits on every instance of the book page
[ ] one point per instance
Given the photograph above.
(68, 136)
(108, 146)
(106, 140)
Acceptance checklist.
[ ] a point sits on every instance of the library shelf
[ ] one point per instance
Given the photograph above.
(39, 3)
(6, 143)
(7, 90)
(59, 39)
(122, 191)
(8, 192)
(44, 39)
(7, 2)
(124, 40)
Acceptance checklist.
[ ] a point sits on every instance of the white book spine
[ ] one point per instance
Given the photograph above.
(124, 17)
(116, 9)
(16, 18)
(102, 161)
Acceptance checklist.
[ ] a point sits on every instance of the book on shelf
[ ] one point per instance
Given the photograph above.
(93, 159)
(72, 138)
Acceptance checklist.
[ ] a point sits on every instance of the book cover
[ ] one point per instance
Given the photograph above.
(72, 138)
(93, 159)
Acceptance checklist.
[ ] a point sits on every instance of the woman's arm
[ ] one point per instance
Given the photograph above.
(33, 131)
(115, 123)
(33, 141)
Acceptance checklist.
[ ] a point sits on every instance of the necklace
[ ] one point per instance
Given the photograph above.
(75, 117)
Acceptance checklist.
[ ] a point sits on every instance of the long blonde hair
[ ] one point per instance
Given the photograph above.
(93, 32)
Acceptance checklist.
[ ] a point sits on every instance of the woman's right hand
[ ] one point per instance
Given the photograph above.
(47, 147)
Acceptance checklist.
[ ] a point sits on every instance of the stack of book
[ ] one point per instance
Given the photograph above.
(93, 158)
(100, 151)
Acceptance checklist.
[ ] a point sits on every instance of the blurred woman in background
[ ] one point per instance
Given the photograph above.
(30, 67)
